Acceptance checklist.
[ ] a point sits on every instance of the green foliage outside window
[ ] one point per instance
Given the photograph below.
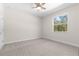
(60, 24)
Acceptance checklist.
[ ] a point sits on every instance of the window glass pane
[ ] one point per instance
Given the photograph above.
(60, 23)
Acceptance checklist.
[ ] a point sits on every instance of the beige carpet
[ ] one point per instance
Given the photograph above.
(38, 47)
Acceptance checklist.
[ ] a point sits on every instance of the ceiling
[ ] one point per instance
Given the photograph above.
(50, 8)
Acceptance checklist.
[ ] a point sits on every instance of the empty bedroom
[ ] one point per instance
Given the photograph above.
(39, 29)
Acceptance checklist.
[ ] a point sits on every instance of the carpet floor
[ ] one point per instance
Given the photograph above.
(38, 47)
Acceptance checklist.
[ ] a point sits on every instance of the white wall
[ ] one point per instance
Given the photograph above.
(20, 25)
(1, 26)
(70, 37)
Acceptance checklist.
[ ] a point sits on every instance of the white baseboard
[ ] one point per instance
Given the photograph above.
(64, 42)
(20, 41)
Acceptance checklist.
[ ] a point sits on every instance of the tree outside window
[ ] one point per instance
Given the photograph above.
(60, 23)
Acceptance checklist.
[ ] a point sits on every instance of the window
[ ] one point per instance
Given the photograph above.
(60, 23)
